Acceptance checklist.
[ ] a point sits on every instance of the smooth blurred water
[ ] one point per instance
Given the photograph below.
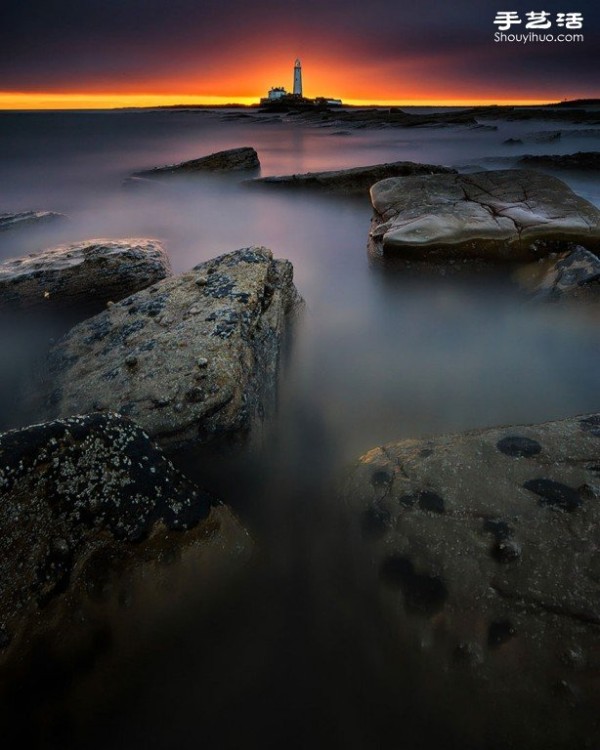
(376, 356)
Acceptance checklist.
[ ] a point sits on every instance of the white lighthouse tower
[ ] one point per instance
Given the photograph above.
(297, 78)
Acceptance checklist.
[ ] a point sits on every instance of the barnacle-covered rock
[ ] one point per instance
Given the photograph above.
(81, 277)
(190, 358)
(73, 486)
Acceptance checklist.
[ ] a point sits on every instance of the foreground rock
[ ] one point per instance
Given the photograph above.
(82, 276)
(232, 160)
(357, 180)
(86, 504)
(27, 219)
(485, 549)
(190, 358)
(573, 274)
(588, 161)
(505, 215)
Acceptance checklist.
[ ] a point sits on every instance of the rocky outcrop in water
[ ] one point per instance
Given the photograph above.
(82, 276)
(485, 550)
(357, 180)
(191, 358)
(505, 215)
(586, 161)
(28, 219)
(231, 160)
(571, 275)
(71, 486)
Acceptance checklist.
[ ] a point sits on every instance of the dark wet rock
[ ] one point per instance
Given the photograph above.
(28, 219)
(507, 215)
(206, 346)
(581, 161)
(571, 275)
(104, 545)
(356, 180)
(73, 486)
(83, 276)
(515, 445)
(231, 160)
(508, 573)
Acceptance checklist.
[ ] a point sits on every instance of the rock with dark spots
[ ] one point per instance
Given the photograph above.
(356, 180)
(82, 277)
(572, 275)
(28, 219)
(509, 572)
(232, 160)
(233, 324)
(586, 161)
(507, 215)
(519, 447)
(554, 494)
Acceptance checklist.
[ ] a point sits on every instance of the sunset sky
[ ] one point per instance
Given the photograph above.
(97, 53)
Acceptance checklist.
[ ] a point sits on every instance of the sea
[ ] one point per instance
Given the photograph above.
(297, 657)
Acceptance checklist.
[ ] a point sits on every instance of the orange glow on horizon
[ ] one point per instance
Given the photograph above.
(70, 100)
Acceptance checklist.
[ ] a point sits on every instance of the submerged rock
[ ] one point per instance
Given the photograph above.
(574, 274)
(582, 161)
(84, 275)
(190, 358)
(234, 159)
(505, 215)
(355, 180)
(27, 219)
(484, 549)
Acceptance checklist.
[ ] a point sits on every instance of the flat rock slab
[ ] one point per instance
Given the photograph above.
(28, 219)
(485, 547)
(190, 358)
(232, 160)
(504, 215)
(84, 275)
(81, 499)
(349, 181)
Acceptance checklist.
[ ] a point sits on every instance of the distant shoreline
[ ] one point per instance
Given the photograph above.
(571, 103)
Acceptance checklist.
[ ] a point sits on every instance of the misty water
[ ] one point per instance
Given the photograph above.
(298, 657)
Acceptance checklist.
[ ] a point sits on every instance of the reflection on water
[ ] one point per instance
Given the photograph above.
(297, 654)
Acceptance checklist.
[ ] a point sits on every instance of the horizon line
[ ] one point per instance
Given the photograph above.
(41, 101)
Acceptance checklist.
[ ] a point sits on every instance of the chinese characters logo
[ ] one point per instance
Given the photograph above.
(534, 20)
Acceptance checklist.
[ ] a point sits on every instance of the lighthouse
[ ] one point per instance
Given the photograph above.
(297, 78)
